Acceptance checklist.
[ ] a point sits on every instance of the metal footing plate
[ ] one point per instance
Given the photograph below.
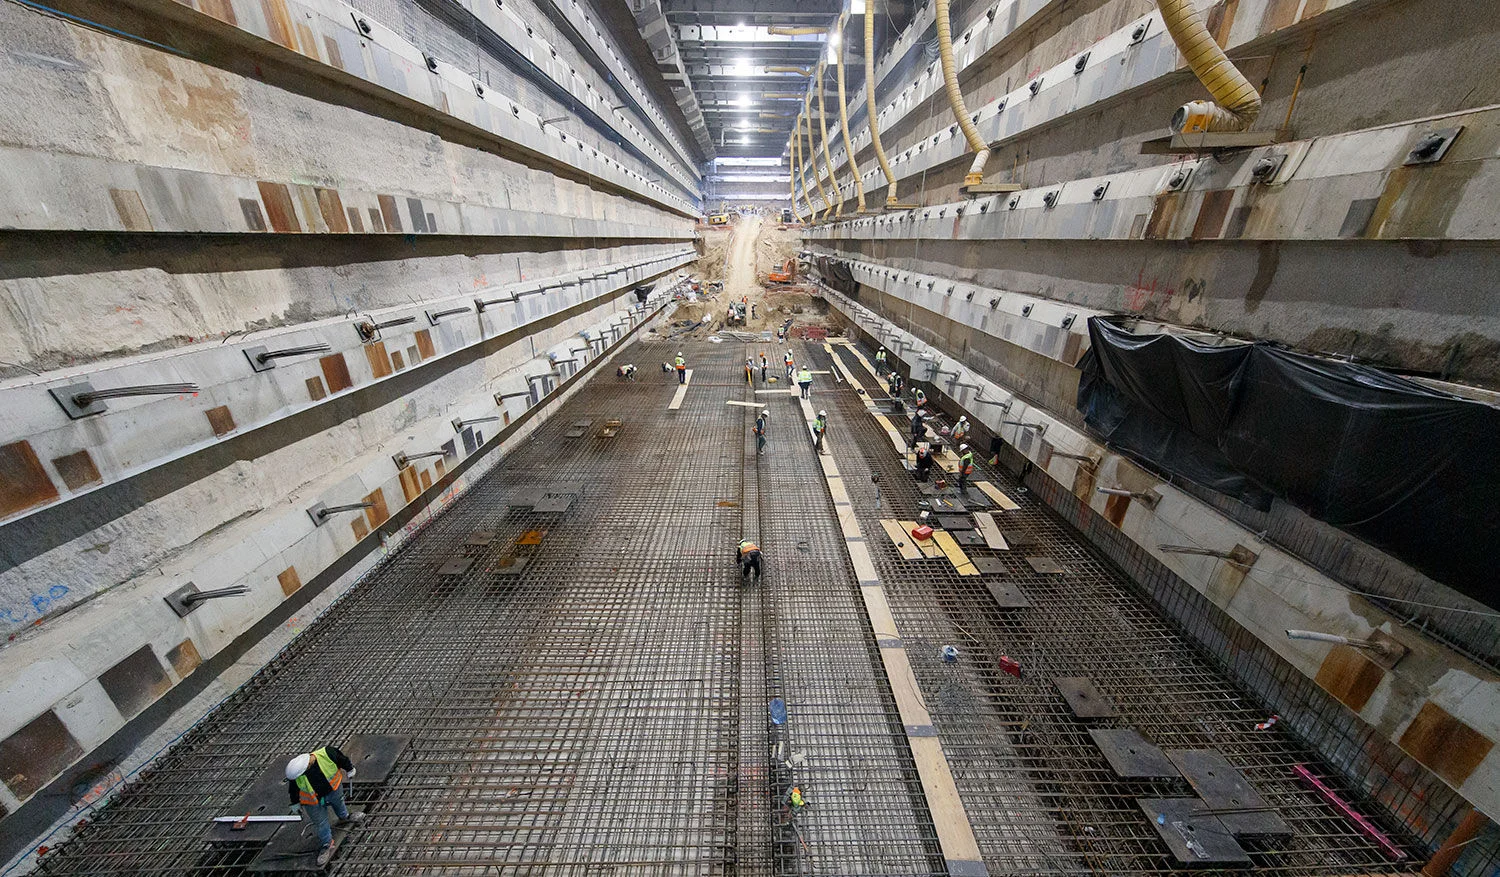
(967, 537)
(525, 499)
(1044, 565)
(508, 566)
(481, 537)
(1194, 837)
(265, 797)
(574, 433)
(1131, 756)
(948, 504)
(993, 566)
(456, 566)
(295, 848)
(554, 504)
(531, 537)
(1018, 538)
(1223, 789)
(955, 522)
(374, 755)
(1007, 596)
(1083, 698)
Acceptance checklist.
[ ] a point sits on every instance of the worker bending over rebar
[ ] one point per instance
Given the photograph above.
(747, 554)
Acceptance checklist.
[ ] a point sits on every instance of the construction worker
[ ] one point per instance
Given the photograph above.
(921, 397)
(626, 372)
(961, 429)
(965, 466)
(893, 385)
(924, 461)
(820, 428)
(313, 782)
(749, 371)
(918, 426)
(681, 366)
(761, 422)
(789, 363)
(880, 358)
(747, 555)
(763, 364)
(804, 380)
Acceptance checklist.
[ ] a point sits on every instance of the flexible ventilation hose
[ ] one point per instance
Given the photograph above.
(791, 177)
(859, 186)
(1238, 103)
(885, 166)
(833, 180)
(975, 175)
(801, 174)
(812, 154)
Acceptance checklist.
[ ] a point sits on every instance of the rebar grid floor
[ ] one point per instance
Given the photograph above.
(605, 709)
(1041, 797)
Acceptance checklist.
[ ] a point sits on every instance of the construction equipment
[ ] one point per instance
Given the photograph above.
(718, 219)
(787, 274)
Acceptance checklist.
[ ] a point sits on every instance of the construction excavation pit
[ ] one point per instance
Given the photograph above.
(563, 672)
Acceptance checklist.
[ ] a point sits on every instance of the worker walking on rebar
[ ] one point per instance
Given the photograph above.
(681, 366)
(789, 364)
(763, 363)
(880, 358)
(749, 371)
(313, 782)
(965, 466)
(761, 423)
(820, 428)
(747, 555)
(893, 385)
(961, 429)
(804, 380)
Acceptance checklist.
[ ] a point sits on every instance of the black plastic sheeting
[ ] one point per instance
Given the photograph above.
(1411, 470)
(836, 273)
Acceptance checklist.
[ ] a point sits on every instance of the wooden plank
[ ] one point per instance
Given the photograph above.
(991, 531)
(901, 539)
(928, 548)
(997, 495)
(678, 396)
(773, 392)
(954, 553)
(743, 404)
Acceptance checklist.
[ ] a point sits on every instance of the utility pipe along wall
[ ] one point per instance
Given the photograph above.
(859, 187)
(885, 165)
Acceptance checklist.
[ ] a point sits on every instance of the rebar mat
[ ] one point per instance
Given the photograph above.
(1040, 795)
(604, 709)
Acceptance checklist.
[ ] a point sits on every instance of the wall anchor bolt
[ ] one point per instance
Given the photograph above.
(262, 359)
(82, 400)
(320, 512)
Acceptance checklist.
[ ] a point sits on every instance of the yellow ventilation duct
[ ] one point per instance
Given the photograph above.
(784, 31)
(812, 155)
(885, 166)
(975, 176)
(800, 71)
(859, 186)
(1237, 101)
(833, 180)
(791, 178)
(802, 174)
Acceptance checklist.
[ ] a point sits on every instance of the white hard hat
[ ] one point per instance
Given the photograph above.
(962, 418)
(963, 447)
(822, 413)
(298, 766)
(767, 412)
(679, 353)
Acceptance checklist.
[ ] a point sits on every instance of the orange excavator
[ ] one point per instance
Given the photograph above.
(787, 274)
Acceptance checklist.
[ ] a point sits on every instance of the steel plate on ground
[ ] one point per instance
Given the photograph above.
(456, 566)
(1223, 788)
(955, 522)
(948, 504)
(265, 797)
(1194, 837)
(525, 499)
(1018, 538)
(989, 565)
(374, 755)
(967, 537)
(1131, 756)
(508, 566)
(481, 537)
(1083, 698)
(1007, 596)
(1044, 565)
(296, 849)
(573, 433)
(554, 504)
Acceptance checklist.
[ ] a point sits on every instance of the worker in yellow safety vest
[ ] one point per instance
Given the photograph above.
(314, 783)
(965, 466)
(880, 357)
(747, 555)
(681, 365)
(789, 363)
(804, 380)
(961, 429)
(921, 397)
(820, 428)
